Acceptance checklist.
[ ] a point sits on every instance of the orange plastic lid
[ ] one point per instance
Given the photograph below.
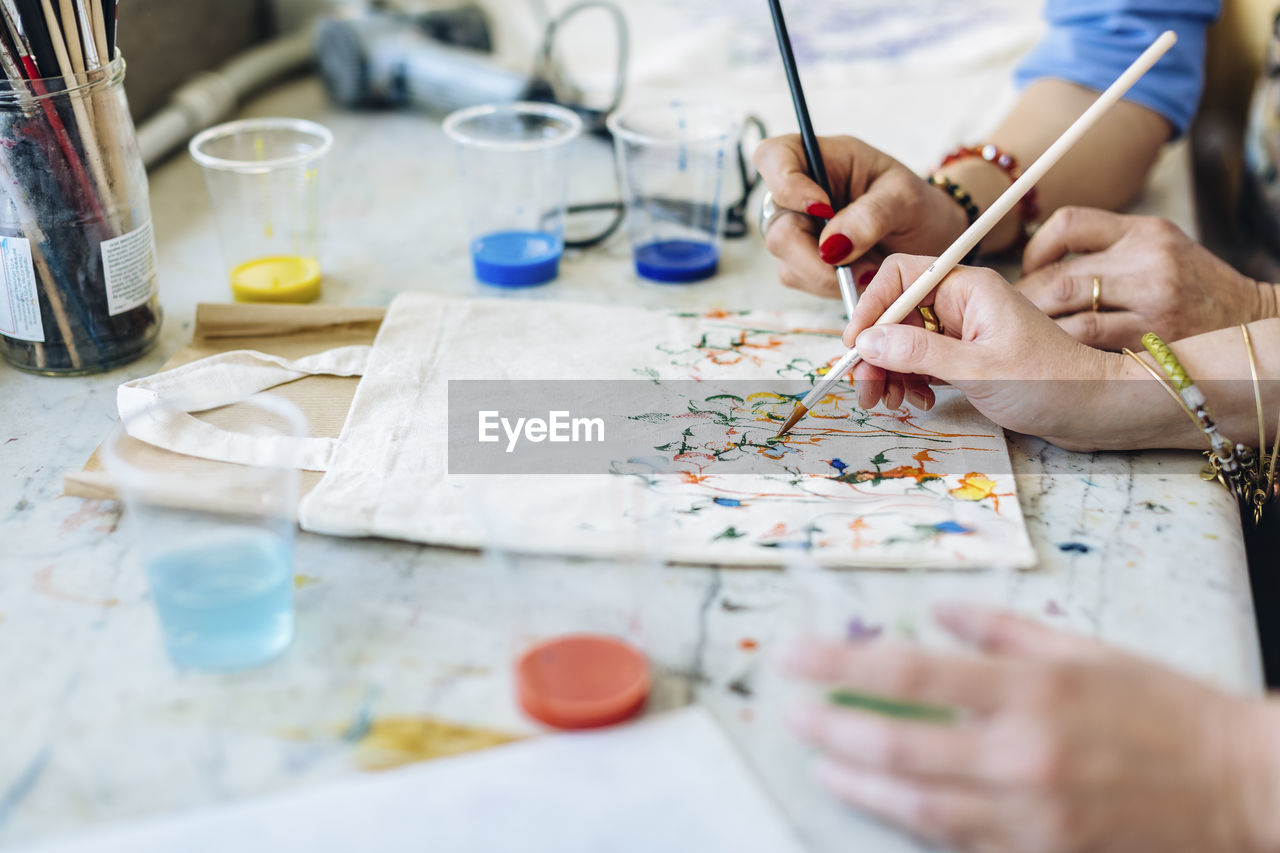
(580, 681)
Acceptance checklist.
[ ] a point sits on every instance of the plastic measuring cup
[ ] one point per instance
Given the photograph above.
(579, 632)
(215, 539)
(263, 177)
(514, 160)
(671, 166)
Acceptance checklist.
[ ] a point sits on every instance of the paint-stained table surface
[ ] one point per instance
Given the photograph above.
(99, 727)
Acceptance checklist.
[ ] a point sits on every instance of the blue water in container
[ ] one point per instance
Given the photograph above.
(225, 603)
(676, 261)
(516, 258)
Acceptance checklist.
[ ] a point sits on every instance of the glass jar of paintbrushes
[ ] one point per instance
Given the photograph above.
(77, 253)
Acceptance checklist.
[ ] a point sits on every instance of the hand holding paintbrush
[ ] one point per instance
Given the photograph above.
(945, 263)
(812, 152)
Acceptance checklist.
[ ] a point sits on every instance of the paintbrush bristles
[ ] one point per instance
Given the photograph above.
(796, 414)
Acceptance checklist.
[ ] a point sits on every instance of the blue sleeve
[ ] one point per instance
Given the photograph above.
(1090, 42)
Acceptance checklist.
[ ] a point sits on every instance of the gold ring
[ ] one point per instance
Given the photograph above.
(1097, 293)
(931, 321)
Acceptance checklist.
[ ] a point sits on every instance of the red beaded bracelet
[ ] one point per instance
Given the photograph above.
(1029, 207)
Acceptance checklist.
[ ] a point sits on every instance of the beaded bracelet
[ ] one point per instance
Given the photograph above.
(1028, 207)
(958, 193)
(1226, 455)
(1254, 481)
(961, 197)
(1212, 471)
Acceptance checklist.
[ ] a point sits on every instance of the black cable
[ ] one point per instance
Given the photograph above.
(619, 213)
(593, 118)
(594, 121)
(735, 224)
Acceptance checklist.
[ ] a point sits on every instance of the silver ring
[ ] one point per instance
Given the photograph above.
(770, 211)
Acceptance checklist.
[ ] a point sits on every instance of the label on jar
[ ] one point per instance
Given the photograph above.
(129, 268)
(19, 302)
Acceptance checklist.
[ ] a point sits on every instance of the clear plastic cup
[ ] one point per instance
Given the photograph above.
(263, 177)
(514, 160)
(215, 539)
(579, 631)
(671, 166)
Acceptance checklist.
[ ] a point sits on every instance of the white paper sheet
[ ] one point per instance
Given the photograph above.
(672, 782)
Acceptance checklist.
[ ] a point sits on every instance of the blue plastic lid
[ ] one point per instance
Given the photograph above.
(516, 258)
(676, 261)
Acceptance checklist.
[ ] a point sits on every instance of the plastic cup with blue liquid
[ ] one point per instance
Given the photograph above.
(215, 540)
(514, 163)
(671, 165)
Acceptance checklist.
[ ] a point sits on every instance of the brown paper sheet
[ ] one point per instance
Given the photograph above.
(289, 331)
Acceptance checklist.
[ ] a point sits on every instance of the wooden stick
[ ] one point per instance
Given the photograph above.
(73, 36)
(103, 109)
(35, 238)
(55, 300)
(92, 152)
(78, 26)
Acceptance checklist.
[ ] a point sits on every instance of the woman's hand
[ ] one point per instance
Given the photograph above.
(1012, 362)
(1153, 278)
(1067, 745)
(878, 203)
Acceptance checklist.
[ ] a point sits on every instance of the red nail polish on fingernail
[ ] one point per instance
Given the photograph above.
(835, 248)
(865, 278)
(821, 210)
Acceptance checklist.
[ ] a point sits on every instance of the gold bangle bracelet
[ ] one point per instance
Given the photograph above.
(1225, 455)
(1164, 383)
